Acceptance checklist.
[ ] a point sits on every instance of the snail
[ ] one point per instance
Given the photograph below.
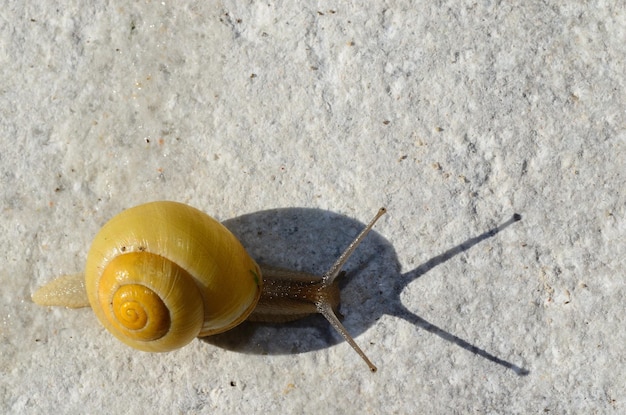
(160, 274)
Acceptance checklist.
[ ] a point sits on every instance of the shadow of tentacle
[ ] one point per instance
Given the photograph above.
(399, 310)
(420, 322)
(311, 240)
(439, 259)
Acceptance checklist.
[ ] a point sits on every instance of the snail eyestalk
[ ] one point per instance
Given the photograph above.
(325, 308)
(332, 273)
(327, 311)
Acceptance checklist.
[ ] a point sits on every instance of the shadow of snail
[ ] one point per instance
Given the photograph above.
(310, 240)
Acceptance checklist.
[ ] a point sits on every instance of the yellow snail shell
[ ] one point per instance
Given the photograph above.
(160, 274)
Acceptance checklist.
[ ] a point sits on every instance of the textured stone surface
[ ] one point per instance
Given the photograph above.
(454, 115)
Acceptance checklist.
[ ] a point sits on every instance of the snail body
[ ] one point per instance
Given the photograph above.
(160, 274)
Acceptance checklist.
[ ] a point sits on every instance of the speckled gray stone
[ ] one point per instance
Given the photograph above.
(296, 122)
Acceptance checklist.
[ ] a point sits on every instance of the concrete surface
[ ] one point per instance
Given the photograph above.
(295, 121)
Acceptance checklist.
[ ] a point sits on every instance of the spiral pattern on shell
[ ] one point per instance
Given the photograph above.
(160, 274)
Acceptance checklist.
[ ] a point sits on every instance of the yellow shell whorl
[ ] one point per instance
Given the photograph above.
(141, 311)
(162, 273)
(139, 295)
